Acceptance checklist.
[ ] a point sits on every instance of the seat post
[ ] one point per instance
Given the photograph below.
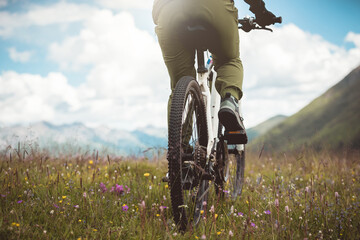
(200, 61)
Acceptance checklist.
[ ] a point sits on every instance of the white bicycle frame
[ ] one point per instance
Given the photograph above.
(212, 106)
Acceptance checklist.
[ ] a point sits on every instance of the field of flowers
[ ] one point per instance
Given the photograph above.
(294, 196)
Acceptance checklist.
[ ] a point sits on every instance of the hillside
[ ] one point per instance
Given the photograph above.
(263, 127)
(331, 120)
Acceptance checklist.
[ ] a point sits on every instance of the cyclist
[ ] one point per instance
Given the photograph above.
(222, 16)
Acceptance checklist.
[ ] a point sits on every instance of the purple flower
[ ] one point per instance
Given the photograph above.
(20, 201)
(252, 224)
(56, 206)
(3, 195)
(240, 214)
(267, 212)
(125, 208)
(103, 187)
(119, 189)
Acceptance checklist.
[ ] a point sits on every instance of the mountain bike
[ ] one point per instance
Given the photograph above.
(200, 151)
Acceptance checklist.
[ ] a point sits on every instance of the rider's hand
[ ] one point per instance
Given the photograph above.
(264, 18)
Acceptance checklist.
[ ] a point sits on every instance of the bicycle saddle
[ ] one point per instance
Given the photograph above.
(198, 35)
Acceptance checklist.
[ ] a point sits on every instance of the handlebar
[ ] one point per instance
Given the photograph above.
(249, 23)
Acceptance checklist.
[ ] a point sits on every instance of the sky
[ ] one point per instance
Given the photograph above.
(98, 62)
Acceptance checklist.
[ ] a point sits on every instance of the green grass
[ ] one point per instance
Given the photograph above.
(314, 196)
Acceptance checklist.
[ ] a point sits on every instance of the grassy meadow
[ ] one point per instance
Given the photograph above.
(289, 196)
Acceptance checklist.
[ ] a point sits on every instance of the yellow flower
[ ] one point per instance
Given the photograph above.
(18, 225)
(166, 186)
(218, 233)
(95, 230)
(13, 224)
(91, 162)
(60, 201)
(158, 215)
(146, 174)
(202, 212)
(216, 216)
(79, 220)
(63, 197)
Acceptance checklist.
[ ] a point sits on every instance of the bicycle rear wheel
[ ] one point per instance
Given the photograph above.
(229, 168)
(188, 136)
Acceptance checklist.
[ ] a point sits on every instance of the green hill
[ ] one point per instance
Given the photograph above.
(331, 120)
(263, 127)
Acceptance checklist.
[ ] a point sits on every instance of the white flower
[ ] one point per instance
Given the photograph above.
(231, 233)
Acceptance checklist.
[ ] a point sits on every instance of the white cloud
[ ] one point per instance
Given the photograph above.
(3, 3)
(28, 98)
(286, 69)
(59, 13)
(19, 56)
(127, 85)
(126, 4)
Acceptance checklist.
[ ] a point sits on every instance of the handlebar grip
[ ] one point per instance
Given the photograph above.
(278, 20)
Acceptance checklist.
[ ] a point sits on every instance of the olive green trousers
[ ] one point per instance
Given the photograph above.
(222, 15)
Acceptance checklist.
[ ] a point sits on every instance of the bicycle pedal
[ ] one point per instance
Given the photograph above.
(236, 137)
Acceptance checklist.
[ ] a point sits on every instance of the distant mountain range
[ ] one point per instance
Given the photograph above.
(70, 137)
(330, 121)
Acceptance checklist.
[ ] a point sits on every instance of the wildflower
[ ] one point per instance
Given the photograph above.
(95, 230)
(125, 207)
(203, 236)
(232, 210)
(218, 233)
(162, 208)
(20, 201)
(216, 216)
(84, 194)
(91, 162)
(45, 231)
(56, 205)
(231, 233)
(103, 187)
(276, 202)
(337, 194)
(212, 209)
(119, 189)
(287, 209)
(267, 212)
(52, 212)
(146, 174)
(142, 204)
(240, 214)
(76, 206)
(202, 212)
(204, 203)
(307, 189)
(63, 197)
(252, 224)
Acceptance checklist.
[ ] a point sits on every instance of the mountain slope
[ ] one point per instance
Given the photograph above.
(331, 120)
(263, 127)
